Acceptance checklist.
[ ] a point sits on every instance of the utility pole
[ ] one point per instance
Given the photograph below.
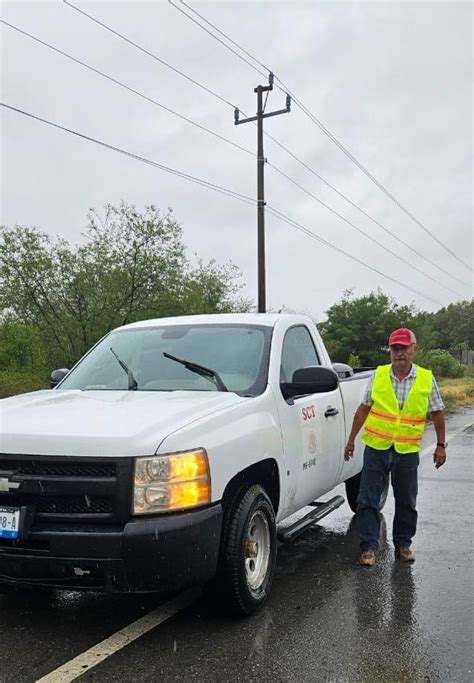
(260, 89)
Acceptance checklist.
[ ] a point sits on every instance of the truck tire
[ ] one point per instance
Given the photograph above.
(352, 492)
(247, 554)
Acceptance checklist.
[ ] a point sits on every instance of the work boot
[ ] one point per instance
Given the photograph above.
(404, 554)
(367, 559)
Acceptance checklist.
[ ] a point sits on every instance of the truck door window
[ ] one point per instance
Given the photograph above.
(298, 352)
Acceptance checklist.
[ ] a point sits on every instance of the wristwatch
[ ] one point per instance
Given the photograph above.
(442, 444)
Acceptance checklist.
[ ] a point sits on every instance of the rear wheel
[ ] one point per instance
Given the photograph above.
(352, 492)
(248, 552)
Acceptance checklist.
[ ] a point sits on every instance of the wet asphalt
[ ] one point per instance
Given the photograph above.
(327, 619)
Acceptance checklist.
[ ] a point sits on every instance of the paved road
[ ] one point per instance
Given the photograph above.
(326, 620)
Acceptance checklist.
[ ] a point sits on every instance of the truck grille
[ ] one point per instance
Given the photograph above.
(68, 505)
(59, 469)
(69, 489)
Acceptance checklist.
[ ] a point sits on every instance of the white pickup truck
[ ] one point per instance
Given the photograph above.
(170, 453)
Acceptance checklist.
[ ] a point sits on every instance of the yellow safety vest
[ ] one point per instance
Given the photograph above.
(386, 424)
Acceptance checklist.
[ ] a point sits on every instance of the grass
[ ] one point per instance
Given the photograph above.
(458, 392)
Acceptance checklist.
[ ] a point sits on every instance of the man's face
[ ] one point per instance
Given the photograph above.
(401, 355)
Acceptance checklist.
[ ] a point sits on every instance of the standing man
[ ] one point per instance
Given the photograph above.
(394, 410)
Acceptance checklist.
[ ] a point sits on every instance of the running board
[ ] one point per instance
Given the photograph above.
(320, 511)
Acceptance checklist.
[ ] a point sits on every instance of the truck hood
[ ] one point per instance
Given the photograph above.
(99, 423)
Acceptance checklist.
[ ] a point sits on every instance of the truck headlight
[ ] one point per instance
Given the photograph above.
(175, 481)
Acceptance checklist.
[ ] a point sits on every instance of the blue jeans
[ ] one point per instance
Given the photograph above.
(378, 465)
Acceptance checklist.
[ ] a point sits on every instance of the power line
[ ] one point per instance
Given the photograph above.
(209, 23)
(364, 213)
(259, 71)
(317, 122)
(298, 226)
(217, 188)
(168, 169)
(359, 230)
(271, 137)
(116, 81)
(127, 87)
(152, 101)
(150, 54)
(371, 176)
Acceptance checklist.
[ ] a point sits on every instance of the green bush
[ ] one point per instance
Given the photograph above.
(354, 361)
(17, 382)
(441, 362)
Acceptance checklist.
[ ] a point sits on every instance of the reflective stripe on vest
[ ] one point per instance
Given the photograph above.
(386, 424)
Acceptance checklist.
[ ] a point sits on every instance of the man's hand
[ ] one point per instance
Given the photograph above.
(358, 421)
(439, 457)
(349, 450)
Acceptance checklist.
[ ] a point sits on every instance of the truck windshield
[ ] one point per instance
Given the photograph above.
(238, 353)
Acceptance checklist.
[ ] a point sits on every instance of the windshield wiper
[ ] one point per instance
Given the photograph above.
(199, 370)
(132, 382)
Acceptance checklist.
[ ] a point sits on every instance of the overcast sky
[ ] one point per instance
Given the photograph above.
(391, 80)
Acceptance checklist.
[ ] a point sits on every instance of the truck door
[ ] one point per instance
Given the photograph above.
(312, 427)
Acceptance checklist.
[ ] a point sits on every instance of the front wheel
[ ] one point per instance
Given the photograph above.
(248, 552)
(352, 492)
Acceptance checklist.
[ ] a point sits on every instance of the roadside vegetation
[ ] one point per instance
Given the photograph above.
(58, 299)
(457, 392)
(20, 381)
(356, 332)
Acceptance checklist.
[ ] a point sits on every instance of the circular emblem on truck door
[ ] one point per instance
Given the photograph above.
(312, 443)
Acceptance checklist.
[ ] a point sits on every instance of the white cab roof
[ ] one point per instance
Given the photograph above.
(268, 319)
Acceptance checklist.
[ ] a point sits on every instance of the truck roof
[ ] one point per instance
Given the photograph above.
(267, 319)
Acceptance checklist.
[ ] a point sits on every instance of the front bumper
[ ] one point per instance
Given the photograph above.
(163, 554)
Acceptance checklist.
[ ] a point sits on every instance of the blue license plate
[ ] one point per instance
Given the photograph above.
(9, 522)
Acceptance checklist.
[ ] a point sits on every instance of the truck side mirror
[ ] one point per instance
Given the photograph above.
(56, 376)
(313, 379)
(343, 370)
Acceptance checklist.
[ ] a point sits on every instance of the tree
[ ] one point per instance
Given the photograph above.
(454, 326)
(21, 346)
(132, 266)
(361, 326)
(211, 288)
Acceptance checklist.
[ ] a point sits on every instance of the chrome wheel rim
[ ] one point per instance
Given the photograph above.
(257, 545)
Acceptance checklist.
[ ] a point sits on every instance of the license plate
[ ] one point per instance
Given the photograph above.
(9, 522)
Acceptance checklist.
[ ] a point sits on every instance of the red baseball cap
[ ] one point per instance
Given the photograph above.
(402, 336)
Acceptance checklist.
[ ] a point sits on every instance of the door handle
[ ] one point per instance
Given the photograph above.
(330, 412)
